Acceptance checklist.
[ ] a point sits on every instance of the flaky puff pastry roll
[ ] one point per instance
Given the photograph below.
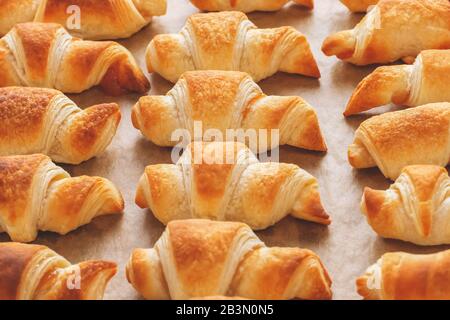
(404, 276)
(198, 258)
(45, 55)
(416, 208)
(397, 139)
(359, 5)
(247, 5)
(392, 30)
(38, 195)
(34, 272)
(230, 41)
(99, 19)
(36, 120)
(225, 181)
(224, 100)
(426, 81)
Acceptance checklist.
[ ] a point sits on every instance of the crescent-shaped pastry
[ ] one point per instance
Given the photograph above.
(415, 208)
(34, 272)
(230, 41)
(45, 55)
(38, 195)
(35, 120)
(392, 30)
(426, 81)
(397, 139)
(99, 19)
(225, 181)
(222, 100)
(404, 276)
(359, 5)
(247, 5)
(198, 258)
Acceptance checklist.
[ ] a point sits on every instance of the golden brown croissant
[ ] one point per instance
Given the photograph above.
(45, 55)
(392, 30)
(225, 181)
(227, 100)
(426, 81)
(197, 258)
(395, 140)
(247, 5)
(35, 120)
(99, 19)
(34, 272)
(404, 276)
(416, 207)
(230, 41)
(359, 5)
(38, 195)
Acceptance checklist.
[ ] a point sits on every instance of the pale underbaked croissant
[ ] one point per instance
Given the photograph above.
(230, 41)
(426, 81)
(397, 139)
(416, 207)
(359, 5)
(225, 181)
(227, 100)
(197, 258)
(36, 120)
(99, 19)
(404, 276)
(392, 30)
(247, 5)
(35, 272)
(45, 55)
(38, 195)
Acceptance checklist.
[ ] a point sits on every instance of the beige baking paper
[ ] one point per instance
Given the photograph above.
(347, 247)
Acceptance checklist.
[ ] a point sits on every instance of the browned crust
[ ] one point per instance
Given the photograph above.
(359, 5)
(16, 178)
(14, 259)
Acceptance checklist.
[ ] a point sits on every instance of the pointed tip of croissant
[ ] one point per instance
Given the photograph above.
(305, 3)
(372, 202)
(95, 276)
(341, 44)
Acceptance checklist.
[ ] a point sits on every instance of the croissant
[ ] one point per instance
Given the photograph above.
(416, 207)
(34, 272)
(392, 30)
(428, 80)
(35, 120)
(230, 41)
(404, 276)
(225, 181)
(395, 140)
(45, 55)
(100, 19)
(227, 100)
(38, 195)
(359, 5)
(198, 258)
(247, 5)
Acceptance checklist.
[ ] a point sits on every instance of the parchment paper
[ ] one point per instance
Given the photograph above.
(347, 247)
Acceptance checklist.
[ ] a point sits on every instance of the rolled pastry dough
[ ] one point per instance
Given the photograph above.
(98, 20)
(426, 81)
(230, 41)
(392, 30)
(223, 100)
(395, 140)
(38, 195)
(198, 258)
(45, 55)
(35, 120)
(416, 208)
(404, 276)
(247, 5)
(225, 181)
(359, 5)
(35, 272)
